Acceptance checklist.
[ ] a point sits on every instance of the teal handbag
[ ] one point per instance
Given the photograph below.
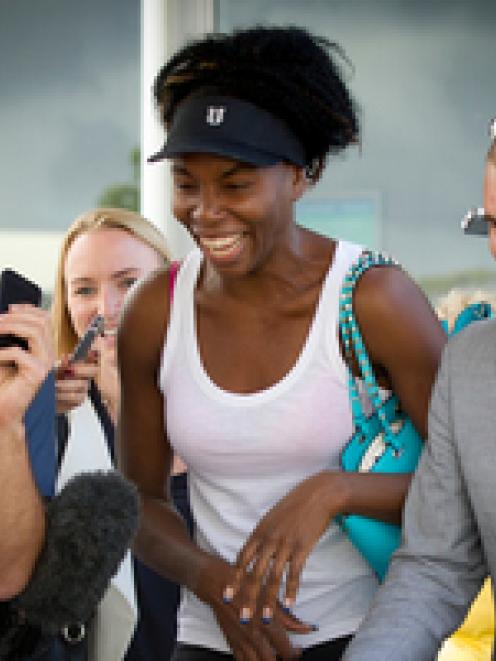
(470, 313)
(383, 442)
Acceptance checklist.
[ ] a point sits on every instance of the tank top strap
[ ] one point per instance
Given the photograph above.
(184, 283)
(345, 254)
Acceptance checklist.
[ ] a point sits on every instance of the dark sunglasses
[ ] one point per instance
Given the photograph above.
(476, 221)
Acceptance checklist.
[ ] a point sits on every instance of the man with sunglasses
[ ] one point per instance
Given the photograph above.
(449, 543)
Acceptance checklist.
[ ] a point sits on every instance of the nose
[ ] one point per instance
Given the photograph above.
(109, 303)
(207, 209)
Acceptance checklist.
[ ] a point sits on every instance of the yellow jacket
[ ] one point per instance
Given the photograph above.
(473, 640)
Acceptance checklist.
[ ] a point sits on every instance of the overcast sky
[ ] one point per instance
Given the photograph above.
(426, 82)
(69, 110)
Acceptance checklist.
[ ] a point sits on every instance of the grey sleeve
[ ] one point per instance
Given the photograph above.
(440, 566)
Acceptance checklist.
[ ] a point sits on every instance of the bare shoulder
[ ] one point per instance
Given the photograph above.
(145, 317)
(403, 336)
(399, 325)
(388, 293)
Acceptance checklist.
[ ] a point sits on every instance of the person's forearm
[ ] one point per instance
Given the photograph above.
(375, 495)
(163, 543)
(22, 515)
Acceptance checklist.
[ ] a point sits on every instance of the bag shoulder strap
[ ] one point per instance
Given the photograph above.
(352, 338)
(472, 312)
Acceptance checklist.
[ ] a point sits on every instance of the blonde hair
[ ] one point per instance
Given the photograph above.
(456, 300)
(129, 221)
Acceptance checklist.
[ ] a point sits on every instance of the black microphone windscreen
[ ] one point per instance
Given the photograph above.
(90, 525)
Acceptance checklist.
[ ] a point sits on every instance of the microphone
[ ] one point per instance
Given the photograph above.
(90, 525)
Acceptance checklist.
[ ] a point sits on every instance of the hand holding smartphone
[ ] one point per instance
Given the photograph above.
(15, 288)
(38, 407)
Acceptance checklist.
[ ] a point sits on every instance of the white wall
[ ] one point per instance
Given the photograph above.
(32, 253)
(165, 25)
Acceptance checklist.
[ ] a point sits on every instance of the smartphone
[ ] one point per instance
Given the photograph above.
(15, 288)
(475, 222)
(95, 328)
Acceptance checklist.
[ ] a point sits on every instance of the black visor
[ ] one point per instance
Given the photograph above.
(230, 127)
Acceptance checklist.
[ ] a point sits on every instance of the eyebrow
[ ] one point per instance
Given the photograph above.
(117, 274)
(239, 167)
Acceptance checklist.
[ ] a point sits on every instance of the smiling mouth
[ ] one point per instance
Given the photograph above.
(222, 246)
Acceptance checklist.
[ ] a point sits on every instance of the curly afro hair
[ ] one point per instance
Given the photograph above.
(285, 70)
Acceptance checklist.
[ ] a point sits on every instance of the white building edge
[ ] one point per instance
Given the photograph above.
(165, 26)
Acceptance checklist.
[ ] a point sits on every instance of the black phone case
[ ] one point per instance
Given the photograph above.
(15, 288)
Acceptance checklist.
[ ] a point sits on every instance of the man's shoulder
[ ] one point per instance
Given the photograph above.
(473, 344)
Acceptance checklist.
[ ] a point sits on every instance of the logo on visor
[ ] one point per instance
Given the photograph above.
(215, 115)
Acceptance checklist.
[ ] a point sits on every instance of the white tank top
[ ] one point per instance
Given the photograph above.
(245, 452)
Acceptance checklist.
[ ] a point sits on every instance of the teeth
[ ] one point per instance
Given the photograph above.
(110, 331)
(221, 245)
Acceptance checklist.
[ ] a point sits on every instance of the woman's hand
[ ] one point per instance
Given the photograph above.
(282, 541)
(73, 380)
(255, 639)
(23, 371)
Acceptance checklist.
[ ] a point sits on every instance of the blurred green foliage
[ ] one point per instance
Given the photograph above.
(124, 195)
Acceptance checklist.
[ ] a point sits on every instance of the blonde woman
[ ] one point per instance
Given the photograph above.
(104, 252)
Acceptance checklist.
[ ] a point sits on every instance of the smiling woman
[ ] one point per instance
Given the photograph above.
(205, 184)
(104, 254)
(252, 384)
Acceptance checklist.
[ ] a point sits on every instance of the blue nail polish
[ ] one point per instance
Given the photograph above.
(314, 627)
(245, 615)
(228, 594)
(266, 620)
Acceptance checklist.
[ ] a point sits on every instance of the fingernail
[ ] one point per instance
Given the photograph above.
(287, 605)
(245, 616)
(228, 594)
(267, 615)
(314, 627)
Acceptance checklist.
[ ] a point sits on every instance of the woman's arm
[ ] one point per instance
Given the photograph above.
(403, 337)
(404, 341)
(144, 452)
(145, 457)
